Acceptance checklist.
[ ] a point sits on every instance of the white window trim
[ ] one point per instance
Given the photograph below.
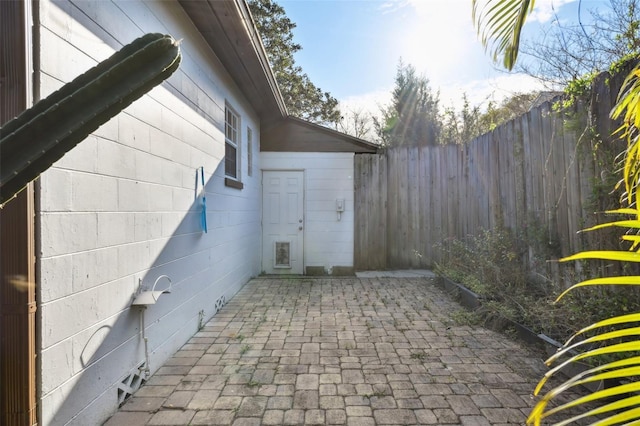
(249, 151)
(236, 144)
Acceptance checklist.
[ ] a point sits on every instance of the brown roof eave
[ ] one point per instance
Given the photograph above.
(228, 28)
(261, 53)
(293, 134)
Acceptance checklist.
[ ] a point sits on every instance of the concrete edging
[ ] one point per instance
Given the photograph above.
(472, 301)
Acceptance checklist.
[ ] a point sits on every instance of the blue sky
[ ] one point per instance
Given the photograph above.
(351, 48)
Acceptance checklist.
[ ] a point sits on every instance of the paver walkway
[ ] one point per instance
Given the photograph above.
(354, 351)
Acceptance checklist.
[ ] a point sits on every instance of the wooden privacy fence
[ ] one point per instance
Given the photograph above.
(541, 169)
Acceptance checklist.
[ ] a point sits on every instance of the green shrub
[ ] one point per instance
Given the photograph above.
(491, 264)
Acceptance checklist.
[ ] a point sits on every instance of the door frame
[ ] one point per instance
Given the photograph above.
(304, 214)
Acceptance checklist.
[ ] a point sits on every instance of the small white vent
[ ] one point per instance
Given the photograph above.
(130, 384)
(219, 303)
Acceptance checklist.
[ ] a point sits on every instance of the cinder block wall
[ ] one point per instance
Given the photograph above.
(328, 242)
(120, 208)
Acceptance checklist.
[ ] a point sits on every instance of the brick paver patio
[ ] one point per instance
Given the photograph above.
(339, 351)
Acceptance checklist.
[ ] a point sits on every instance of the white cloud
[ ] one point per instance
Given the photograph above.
(545, 10)
(370, 102)
(439, 39)
(391, 6)
(480, 92)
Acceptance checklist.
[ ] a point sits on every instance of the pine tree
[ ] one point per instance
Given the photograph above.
(302, 98)
(413, 118)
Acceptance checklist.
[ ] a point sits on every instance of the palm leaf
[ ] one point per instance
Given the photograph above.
(627, 108)
(625, 416)
(631, 223)
(628, 367)
(630, 211)
(624, 280)
(499, 25)
(629, 99)
(622, 256)
(615, 334)
(633, 238)
(616, 405)
(539, 413)
(622, 418)
(580, 378)
(627, 402)
(621, 319)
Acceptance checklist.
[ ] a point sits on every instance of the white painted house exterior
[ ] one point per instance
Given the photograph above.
(328, 233)
(123, 208)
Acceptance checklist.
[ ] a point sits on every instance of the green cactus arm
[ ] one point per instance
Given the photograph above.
(41, 135)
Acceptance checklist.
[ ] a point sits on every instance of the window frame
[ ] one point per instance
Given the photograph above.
(249, 151)
(232, 138)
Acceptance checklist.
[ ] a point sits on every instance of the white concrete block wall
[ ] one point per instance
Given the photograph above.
(120, 208)
(328, 242)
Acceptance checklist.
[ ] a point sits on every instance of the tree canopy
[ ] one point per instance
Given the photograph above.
(413, 117)
(566, 52)
(302, 98)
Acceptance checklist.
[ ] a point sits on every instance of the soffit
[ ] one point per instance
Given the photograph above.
(295, 135)
(228, 29)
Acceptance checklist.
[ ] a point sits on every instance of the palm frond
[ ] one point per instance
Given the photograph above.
(615, 336)
(609, 322)
(630, 223)
(627, 108)
(622, 256)
(539, 413)
(610, 335)
(583, 377)
(624, 280)
(614, 406)
(630, 211)
(499, 25)
(627, 415)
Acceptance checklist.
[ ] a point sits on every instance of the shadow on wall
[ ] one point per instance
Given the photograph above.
(103, 362)
(114, 354)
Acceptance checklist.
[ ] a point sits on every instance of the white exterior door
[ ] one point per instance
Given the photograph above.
(282, 222)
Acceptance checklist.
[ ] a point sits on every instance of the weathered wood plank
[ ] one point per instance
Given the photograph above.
(519, 172)
(547, 171)
(535, 209)
(402, 237)
(450, 190)
(438, 202)
(392, 197)
(359, 182)
(381, 232)
(574, 210)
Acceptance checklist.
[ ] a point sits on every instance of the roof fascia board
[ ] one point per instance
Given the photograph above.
(244, 50)
(334, 133)
(261, 53)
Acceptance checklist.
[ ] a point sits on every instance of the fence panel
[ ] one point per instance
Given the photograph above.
(537, 171)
